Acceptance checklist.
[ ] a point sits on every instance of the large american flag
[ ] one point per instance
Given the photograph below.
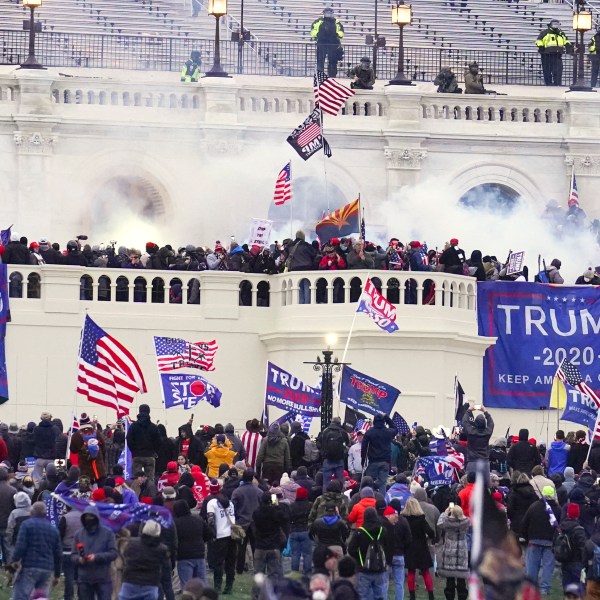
(569, 373)
(176, 353)
(283, 185)
(401, 424)
(574, 195)
(362, 426)
(330, 95)
(107, 373)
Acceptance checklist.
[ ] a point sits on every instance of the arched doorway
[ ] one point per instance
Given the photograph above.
(491, 196)
(311, 200)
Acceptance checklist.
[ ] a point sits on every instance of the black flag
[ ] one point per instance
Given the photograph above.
(307, 139)
(459, 403)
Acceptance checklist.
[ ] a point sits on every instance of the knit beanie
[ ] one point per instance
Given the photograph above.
(573, 511)
(301, 493)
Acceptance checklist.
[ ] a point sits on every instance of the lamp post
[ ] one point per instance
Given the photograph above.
(217, 8)
(31, 62)
(401, 16)
(327, 366)
(582, 22)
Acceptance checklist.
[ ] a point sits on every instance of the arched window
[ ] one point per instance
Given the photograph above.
(15, 285)
(355, 289)
(86, 288)
(263, 293)
(122, 293)
(393, 291)
(175, 291)
(104, 289)
(158, 290)
(193, 296)
(34, 285)
(245, 293)
(321, 285)
(139, 289)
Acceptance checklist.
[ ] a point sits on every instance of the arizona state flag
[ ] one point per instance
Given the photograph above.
(340, 222)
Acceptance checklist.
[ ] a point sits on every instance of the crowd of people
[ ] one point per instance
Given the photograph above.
(352, 509)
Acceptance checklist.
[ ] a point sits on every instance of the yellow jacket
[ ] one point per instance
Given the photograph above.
(218, 454)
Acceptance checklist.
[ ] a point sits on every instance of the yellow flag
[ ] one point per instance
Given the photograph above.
(558, 395)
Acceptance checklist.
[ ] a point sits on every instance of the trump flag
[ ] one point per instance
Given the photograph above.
(374, 305)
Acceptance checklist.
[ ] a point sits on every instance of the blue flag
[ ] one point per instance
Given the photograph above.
(374, 305)
(117, 516)
(580, 409)
(290, 394)
(125, 459)
(401, 424)
(435, 469)
(5, 236)
(188, 390)
(367, 394)
(4, 319)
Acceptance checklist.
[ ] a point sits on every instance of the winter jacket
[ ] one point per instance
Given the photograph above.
(577, 455)
(376, 444)
(143, 438)
(91, 466)
(274, 450)
(21, 512)
(44, 436)
(216, 455)
(357, 514)
(145, 560)
(268, 522)
(302, 254)
(539, 482)
(465, 498)
(192, 533)
(419, 557)
(7, 493)
(356, 262)
(554, 275)
(318, 508)
(399, 537)
(38, 546)
(556, 457)
(246, 499)
(16, 253)
(594, 459)
(330, 530)
(360, 541)
(588, 509)
(519, 499)
(569, 482)
(478, 437)
(299, 511)
(297, 449)
(453, 553)
(577, 538)
(101, 543)
(334, 442)
(523, 455)
(536, 522)
(236, 445)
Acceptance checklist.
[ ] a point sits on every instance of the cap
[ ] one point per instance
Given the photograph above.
(146, 500)
(169, 493)
(119, 481)
(415, 244)
(454, 242)
(99, 495)
(573, 511)
(172, 466)
(215, 486)
(84, 419)
(389, 511)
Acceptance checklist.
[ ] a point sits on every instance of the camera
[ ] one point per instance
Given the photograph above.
(60, 463)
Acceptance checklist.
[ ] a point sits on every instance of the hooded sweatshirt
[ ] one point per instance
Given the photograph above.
(216, 455)
(143, 438)
(569, 482)
(557, 457)
(274, 450)
(100, 542)
(17, 516)
(523, 455)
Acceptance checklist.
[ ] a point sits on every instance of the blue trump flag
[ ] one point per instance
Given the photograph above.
(188, 390)
(378, 308)
(290, 394)
(366, 394)
(436, 470)
(4, 319)
(580, 409)
(537, 326)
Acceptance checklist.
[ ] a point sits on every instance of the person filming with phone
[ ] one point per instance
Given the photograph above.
(479, 429)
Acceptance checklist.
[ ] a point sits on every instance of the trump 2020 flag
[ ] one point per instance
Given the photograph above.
(366, 394)
(374, 305)
(188, 390)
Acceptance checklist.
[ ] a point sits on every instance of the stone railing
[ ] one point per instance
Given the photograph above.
(67, 289)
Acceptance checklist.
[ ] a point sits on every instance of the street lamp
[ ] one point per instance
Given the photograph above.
(327, 366)
(582, 22)
(32, 62)
(217, 8)
(401, 16)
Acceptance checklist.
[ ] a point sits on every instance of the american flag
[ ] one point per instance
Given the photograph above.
(75, 426)
(176, 353)
(107, 373)
(362, 426)
(330, 95)
(569, 373)
(283, 185)
(574, 196)
(311, 133)
(401, 424)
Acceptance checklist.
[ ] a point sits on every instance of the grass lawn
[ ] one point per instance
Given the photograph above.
(243, 585)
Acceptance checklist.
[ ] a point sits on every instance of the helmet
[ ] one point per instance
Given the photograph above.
(195, 55)
(72, 246)
(365, 59)
(554, 23)
(327, 9)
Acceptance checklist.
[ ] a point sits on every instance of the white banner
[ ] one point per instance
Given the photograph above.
(260, 233)
(515, 262)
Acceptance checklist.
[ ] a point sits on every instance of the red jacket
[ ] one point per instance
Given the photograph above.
(465, 499)
(357, 514)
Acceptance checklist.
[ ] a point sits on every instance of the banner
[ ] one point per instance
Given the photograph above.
(374, 305)
(261, 232)
(436, 470)
(289, 393)
(537, 326)
(117, 516)
(307, 138)
(515, 262)
(188, 390)
(367, 394)
(580, 409)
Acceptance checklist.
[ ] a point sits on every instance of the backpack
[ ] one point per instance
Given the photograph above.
(561, 546)
(18, 523)
(374, 559)
(334, 445)
(311, 452)
(498, 460)
(594, 572)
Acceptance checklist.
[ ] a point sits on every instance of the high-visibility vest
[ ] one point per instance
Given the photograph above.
(552, 40)
(190, 71)
(339, 28)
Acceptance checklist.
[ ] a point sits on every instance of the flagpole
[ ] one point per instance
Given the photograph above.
(359, 219)
(74, 409)
(291, 204)
(593, 436)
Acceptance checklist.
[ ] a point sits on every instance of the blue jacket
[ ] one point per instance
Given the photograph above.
(557, 457)
(376, 445)
(101, 543)
(38, 546)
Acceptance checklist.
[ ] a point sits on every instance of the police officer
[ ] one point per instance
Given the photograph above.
(552, 44)
(593, 48)
(328, 31)
(363, 77)
(190, 72)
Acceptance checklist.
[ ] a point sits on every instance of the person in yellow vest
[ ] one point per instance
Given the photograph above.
(552, 43)
(593, 48)
(327, 31)
(218, 453)
(190, 72)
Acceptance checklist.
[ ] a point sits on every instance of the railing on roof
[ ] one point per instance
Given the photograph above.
(154, 53)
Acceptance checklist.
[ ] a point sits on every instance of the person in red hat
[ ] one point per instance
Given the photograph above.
(399, 538)
(88, 444)
(453, 258)
(571, 568)
(300, 542)
(170, 477)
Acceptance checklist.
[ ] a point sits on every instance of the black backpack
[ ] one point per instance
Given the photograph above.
(561, 546)
(334, 445)
(374, 558)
